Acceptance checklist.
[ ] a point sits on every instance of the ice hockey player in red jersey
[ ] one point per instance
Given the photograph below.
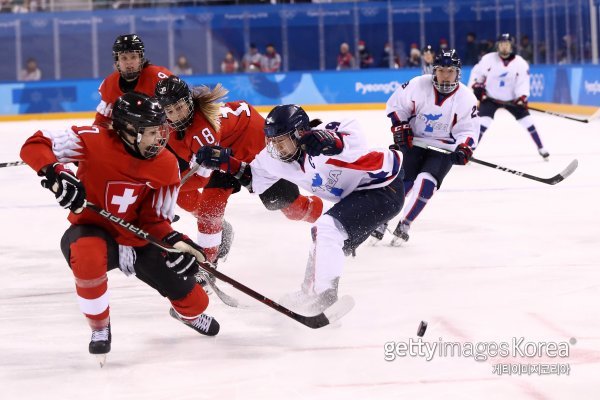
(125, 172)
(133, 73)
(199, 118)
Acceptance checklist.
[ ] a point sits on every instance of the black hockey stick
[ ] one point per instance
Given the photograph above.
(12, 164)
(510, 104)
(334, 312)
(549, 181)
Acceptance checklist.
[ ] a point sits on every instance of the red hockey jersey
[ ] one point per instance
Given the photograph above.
(142, 192)
(241, 130)
(110, 90)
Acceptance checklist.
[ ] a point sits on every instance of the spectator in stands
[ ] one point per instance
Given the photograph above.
(443, 44)
(229, 65)
(31, 71)
(345, 59)
(427, 57)
(251, 60)
(182, 67)
(471, 54)
(6, 6)
(526, 49)
(385, 58)
(366, 59)
(271, 60)
(414, 58)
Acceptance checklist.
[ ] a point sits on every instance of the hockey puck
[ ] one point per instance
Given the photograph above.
(422, 328)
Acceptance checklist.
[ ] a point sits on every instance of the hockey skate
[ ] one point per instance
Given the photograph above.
(311, 303)
(100, 344)
(378, 234)
(400, 234)
(203, 324)
(544, 153)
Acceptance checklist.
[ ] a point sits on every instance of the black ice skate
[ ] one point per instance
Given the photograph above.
(100, 344)
(203, 324)
(378, 233)
(400, 234)
(544, 153)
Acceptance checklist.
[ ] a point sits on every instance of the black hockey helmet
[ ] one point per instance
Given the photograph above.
(130, 43)
(288, 120)
(444, 59)
(428, 49)
(135, 114)
(170, 92)
(505, 37)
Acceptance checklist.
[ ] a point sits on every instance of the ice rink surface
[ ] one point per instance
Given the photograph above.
(493, 257)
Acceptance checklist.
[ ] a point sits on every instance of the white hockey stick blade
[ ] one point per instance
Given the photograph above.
(594, 116)
(340, 308)
(570, 169)
(224, 297)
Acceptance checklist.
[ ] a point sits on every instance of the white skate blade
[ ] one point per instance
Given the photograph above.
(396, 242)
(373, 241)
(340, 308)
(101, 358)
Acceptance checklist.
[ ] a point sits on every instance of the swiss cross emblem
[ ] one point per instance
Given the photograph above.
(121, 195)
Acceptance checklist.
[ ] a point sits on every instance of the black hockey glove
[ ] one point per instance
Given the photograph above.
(321, 141)
(67, 188)
(461, 155)
(215, 157)
(479, 91)
(185, 262)
(403, 134)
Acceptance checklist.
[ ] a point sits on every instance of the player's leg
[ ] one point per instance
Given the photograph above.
(188, 299)
(91, 252)
(523, 117)
(434, 169)
(487, 109)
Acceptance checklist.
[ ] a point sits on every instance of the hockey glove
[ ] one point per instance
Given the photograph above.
(521, 102)
(218, 158)
(67, 188)
(461, 155)
(321, 141)
(403, 134)
(479, 91)
(185, 262)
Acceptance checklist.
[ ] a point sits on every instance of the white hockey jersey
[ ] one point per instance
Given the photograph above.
(440, 121)
(504, 80)
(331, 177)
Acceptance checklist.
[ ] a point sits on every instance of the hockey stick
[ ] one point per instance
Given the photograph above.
(549, 181)
(586, 120)
(333, 313)
(12, 164)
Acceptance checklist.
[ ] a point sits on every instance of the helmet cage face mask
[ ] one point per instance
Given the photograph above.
(445, 87)
(283, 147)
(132, 74)
(185, 106)
(148, 141)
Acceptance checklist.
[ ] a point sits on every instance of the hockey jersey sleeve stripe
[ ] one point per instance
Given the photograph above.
(66, 145)
(369, 162)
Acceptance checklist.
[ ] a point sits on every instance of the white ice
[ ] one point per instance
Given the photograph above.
(493, 256)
